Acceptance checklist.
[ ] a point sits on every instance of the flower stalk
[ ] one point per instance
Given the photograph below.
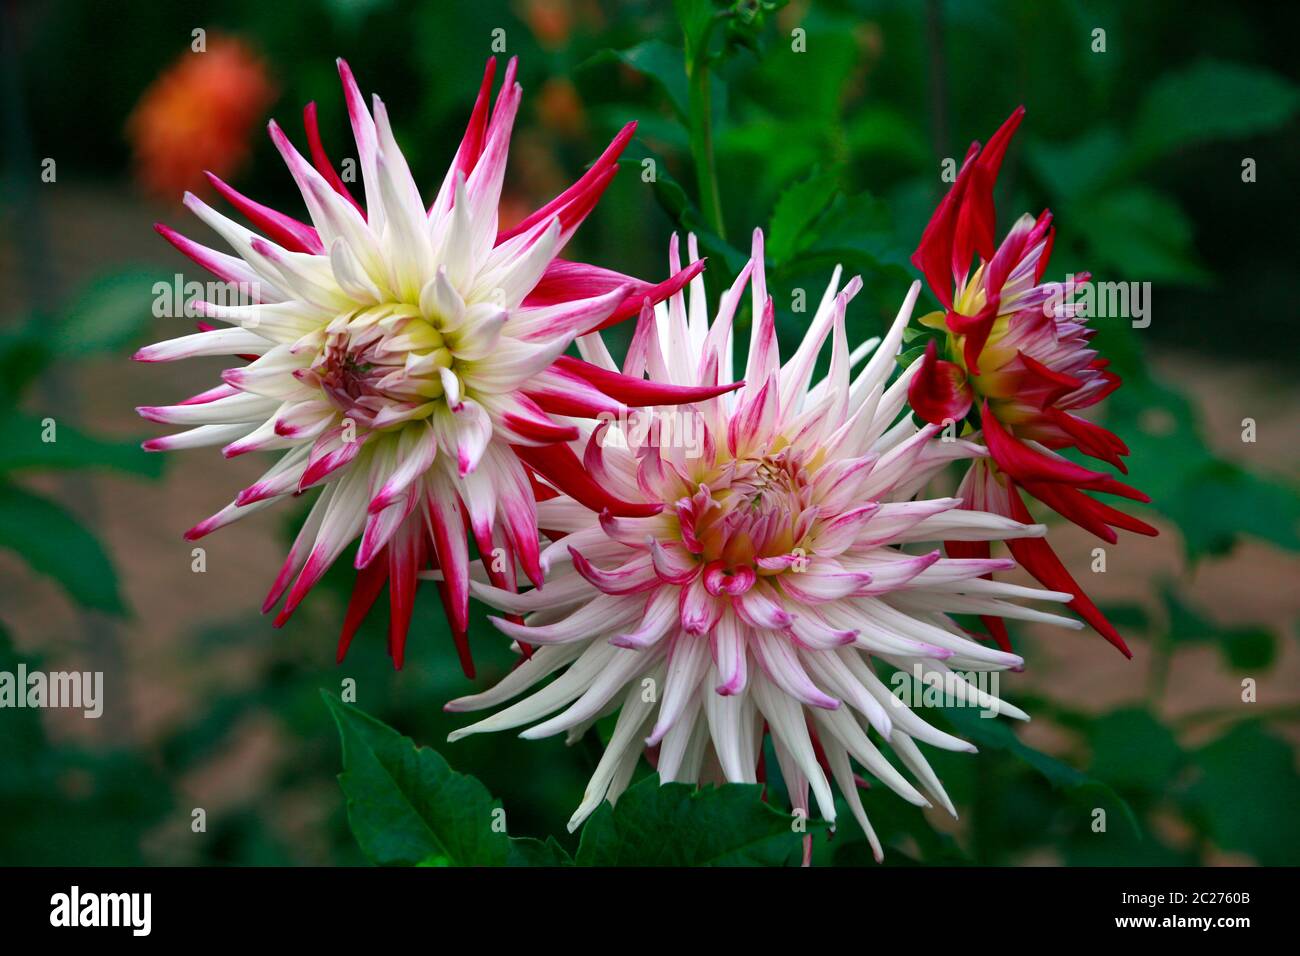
(701, 121)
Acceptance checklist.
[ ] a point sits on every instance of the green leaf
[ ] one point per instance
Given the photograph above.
(908, 838)
(1212, 100)
(905, 359)
(22, 446)
(51, 541)
(1133, 750)
(997, 734)
(526, 851)
(880, 131)
(1142, 235)
(674, 201)
(1245, 794)
(796, 210)
(24, 355)
(660, 63)
(989, 732)
(1077, 168)
(107, 313)
(1244, 648)
(1249, 648)
(406, 806)
(1212, 502)
(1222, 501)
(678, 825)
(695, 17)
(859, 231)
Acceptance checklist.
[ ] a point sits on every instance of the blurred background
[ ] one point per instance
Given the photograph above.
(1166, 146)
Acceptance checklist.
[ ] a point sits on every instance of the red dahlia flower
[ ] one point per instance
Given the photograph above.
(1018, 347)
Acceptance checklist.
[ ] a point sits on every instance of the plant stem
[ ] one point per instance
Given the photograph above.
(701, 106)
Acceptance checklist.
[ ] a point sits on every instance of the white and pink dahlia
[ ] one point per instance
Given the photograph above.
(787, 556)
(407, 359)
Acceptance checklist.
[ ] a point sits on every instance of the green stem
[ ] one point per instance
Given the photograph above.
(701, 106)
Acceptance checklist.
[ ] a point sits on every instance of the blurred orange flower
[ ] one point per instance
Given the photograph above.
(550, 20)
(559, 108)
(198, 115)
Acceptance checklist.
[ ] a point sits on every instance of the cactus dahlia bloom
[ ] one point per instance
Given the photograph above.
(782, 562)
(408, 360)
(1019, 348)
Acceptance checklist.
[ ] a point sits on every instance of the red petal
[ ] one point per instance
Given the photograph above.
(564, 281)
(639, 392)
(976, 328)
(934, 254)
(285, 230)
(365, 588)
(997, 628)
(1090, 438)
(405, 555)
(1044, 386)
(1024, 464)
(471, 146)
(1087, 512)
(321, 160)
(561, 467)
(977, 222)
(1037, 557)
(584, 192)
(939, 391)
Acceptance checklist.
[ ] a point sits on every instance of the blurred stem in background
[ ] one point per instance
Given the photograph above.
(938, 77)
(701, 120)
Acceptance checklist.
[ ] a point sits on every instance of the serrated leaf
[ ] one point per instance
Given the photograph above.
(52, 542)
(526, 851)
(406, 806)
(663, 65)
(678, 825)
(796, 210)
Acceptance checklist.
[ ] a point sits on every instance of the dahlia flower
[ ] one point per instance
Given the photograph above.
(1019, 347)
(198, 115)
(408, 360)
(780, 565)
